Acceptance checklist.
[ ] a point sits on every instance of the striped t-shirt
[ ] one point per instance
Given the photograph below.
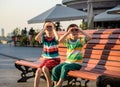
(50, 47)
(74, 50)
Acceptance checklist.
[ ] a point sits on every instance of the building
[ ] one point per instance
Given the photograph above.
(99, 6)
(2, 32)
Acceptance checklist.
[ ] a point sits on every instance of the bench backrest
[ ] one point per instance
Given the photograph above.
(101, 53)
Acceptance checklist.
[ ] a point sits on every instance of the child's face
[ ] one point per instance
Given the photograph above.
(74, 31)
(48, 27)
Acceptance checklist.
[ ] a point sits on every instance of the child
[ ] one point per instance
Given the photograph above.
(74, 54)
(49, 38)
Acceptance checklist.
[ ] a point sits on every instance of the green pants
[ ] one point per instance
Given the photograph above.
(61, 70)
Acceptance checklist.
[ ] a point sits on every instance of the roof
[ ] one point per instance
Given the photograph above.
(107, 17)
(115, 10)
(66, 1)
(59, 13)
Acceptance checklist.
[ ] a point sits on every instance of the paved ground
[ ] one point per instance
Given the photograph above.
(9, 74)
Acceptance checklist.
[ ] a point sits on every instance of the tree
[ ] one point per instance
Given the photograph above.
(16, 32)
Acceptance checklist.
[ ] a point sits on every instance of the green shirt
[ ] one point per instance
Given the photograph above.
(74, 50)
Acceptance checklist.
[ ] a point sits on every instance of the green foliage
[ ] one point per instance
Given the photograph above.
(23, 40)
(32, 42)
(84, 26)
(16, 32)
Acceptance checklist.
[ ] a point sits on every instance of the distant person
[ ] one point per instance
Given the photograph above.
(74, 46)
(24, 31)
(31, 33)
(49, 38)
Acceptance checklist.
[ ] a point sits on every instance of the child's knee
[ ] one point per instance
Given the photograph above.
(38, 71)
(45, 69)
(54, 70)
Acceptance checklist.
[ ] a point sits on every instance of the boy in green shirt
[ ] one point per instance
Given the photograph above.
(74, 46)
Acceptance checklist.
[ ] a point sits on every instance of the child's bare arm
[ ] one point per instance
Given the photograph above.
(55, 33)
(39, 36)
(62, 39)
(88, 37)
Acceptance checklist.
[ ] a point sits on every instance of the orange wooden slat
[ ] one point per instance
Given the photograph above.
(84, 74)
(102, 52)
(101, 67)
(107, 31)
(103, 57)
(27, 63)
(106, 36)
(62, 49)
(102, 62)
(103, 46)
(62, 53)
(104, 41)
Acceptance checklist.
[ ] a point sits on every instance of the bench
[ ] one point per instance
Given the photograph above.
(101, 60)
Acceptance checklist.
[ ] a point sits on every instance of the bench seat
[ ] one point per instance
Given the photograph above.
(28, 63)
(93, 74)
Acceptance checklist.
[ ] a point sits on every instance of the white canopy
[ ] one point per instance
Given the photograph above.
(107, 17)
(59, 13)
(115, 10)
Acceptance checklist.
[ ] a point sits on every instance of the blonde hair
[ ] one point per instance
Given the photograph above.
(48, 22)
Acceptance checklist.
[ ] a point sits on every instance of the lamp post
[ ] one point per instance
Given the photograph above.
(90, 14)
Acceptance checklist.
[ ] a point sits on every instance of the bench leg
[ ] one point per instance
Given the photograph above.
(72, 82)
(25, 70)
(104, 81)
(86, 83)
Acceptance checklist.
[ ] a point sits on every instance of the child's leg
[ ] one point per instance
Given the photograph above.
(50, 63)
(64, 71)
(56, 72)
(59, 84)
(47, 75)
(37, 77)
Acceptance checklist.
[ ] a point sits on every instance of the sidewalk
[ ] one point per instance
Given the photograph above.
(9, 74)
(9, 77)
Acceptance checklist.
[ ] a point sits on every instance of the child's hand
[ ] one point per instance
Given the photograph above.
(79, 30)
(69, 31)
(45, 27)
(53, 27)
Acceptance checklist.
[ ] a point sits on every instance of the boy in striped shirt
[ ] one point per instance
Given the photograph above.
(49, 38)
(73, 61)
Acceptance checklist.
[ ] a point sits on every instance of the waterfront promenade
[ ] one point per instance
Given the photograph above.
(9, 74)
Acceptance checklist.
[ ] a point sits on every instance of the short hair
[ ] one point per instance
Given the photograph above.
(72, 25)
(48, 22)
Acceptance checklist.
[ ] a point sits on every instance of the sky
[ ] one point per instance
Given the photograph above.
(16, 13)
